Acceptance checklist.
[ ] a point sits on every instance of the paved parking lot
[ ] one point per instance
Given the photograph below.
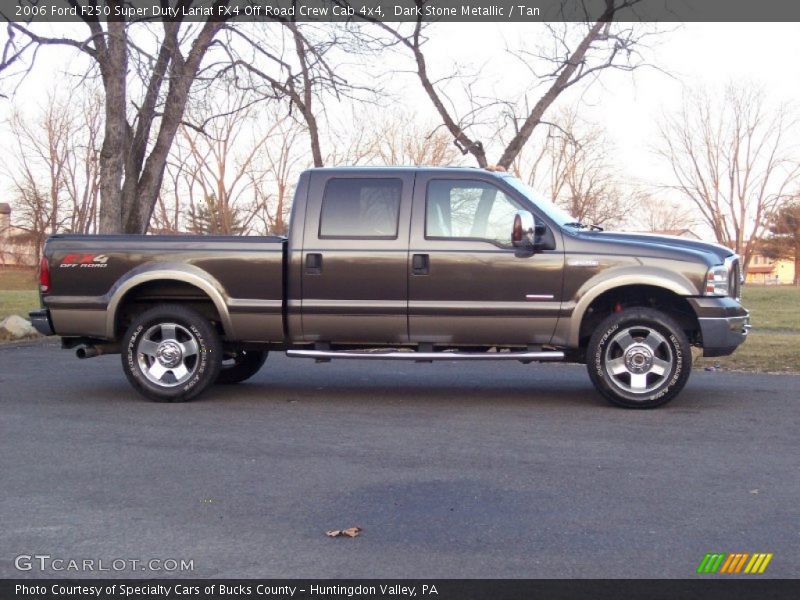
(452, 470)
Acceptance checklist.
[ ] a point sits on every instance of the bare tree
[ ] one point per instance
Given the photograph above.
(38, 174)
(570, 163)
(167, 214)
(54, 170)
(82, 165)
(400, 140)
(295, 63)
(34, 211)
(222, 157)
(574, 53)
(660, 215)
(273, 181)
(139, 129)
(732, 159)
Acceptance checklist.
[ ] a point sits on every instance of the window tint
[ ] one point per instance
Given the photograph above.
(360, 208)
(469, 209)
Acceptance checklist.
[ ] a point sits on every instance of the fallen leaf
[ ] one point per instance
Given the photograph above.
(349, 532)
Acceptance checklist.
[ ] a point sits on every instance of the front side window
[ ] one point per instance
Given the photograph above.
(360, 208)
(463, 209)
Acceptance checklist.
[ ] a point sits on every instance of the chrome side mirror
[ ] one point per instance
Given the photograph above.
(523, 234)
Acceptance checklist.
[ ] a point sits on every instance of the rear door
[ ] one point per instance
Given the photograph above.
(467, 283)
(355, 256)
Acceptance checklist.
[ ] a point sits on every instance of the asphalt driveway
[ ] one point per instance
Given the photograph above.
(452, 470)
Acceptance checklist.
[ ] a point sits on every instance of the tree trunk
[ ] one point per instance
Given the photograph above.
(113, 68)
(141, 199)
(796, 259)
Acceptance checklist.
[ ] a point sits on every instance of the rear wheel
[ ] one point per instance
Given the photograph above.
(639, 358)
(241, 366)
(171, 353)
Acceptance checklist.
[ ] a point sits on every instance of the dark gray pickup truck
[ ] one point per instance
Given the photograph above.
(418, 264)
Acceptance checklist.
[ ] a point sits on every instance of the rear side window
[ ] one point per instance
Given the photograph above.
(360, 208)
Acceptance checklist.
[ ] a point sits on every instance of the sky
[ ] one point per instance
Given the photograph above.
(627, 105)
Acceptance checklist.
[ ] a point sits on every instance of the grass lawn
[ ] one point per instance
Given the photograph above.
(774, 342)
(772, 346)
(12, 278)
(18, 292)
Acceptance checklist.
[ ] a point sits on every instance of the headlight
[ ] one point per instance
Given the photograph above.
(717, 281)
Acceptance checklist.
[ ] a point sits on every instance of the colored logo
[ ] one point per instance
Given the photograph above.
(84, 261)
(741, 562)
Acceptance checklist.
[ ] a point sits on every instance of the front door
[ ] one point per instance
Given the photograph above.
(467, 283)
(355, 257)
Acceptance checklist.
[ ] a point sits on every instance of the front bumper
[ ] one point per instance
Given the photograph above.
(40, 319)
(724, 324)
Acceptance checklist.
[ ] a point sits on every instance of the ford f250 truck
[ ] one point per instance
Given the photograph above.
(419, 264)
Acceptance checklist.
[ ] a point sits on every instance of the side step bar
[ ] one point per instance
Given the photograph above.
(425, 356)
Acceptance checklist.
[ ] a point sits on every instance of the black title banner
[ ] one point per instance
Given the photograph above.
(401, 10)
(399, 589)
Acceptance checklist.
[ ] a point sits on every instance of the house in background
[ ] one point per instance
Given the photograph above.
(765, 271)
(17, 246)
(684, 233)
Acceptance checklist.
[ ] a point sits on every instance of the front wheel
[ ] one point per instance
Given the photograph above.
(171, 353)
(639, 358)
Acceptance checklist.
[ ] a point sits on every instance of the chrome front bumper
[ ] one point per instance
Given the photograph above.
(722, 335)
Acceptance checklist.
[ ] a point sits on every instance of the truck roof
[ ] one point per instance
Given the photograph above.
(411, 168)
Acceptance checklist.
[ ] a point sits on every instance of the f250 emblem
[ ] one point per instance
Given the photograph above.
(84, 261)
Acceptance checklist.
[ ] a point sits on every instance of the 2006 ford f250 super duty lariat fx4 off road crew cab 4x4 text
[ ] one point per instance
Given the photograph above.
(418, 264)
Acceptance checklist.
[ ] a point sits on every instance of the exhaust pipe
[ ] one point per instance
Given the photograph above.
(87, 352)
(92, 350)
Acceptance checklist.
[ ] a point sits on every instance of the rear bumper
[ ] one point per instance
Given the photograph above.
(724, 324)
(40, 319)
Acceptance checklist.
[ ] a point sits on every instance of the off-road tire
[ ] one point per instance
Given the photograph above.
(639, 358)
(171, 353)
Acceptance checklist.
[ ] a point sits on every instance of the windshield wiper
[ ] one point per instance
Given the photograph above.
(579, 225)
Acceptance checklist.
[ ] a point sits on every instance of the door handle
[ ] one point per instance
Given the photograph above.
(420, 264)
(313, 263)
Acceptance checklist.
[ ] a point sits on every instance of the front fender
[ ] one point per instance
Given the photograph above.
(574, 309)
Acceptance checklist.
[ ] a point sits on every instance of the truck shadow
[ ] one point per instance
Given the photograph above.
(290, 381)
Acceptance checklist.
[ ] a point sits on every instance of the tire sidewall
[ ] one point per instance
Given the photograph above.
(673, 334)
(209, 354)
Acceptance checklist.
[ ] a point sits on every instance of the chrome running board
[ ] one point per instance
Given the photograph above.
(426, 356)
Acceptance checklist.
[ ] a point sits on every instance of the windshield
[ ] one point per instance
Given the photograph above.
(556, 213)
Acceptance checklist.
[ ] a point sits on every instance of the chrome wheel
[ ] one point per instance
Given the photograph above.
(168, 354)
(639, 360)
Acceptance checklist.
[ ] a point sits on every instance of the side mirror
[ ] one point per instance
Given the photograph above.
(523, 234)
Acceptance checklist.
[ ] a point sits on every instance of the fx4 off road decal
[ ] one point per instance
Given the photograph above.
(84, 261)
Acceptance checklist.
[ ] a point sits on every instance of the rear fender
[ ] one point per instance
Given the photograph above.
(182, 272)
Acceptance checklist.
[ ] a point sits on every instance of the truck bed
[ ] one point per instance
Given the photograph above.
(92, 277)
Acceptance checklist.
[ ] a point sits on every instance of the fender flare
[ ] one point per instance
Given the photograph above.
(184, 273)
(629, 276)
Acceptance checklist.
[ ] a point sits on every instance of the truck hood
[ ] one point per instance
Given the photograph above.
(647, 244)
